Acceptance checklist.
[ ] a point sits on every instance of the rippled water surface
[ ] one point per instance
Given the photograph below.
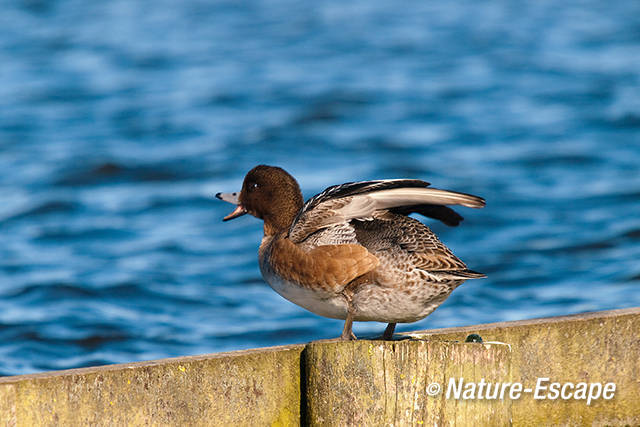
(120, 120)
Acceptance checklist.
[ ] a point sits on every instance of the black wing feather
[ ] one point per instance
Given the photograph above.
(439, 212)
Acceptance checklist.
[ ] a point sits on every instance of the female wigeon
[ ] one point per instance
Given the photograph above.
(351, 252)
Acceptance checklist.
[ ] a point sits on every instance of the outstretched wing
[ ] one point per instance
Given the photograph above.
(340, 204)
(361, 187)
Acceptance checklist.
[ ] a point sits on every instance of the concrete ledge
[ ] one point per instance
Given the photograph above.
(346, 383)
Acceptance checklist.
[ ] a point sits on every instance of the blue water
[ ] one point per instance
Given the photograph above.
(119, 121)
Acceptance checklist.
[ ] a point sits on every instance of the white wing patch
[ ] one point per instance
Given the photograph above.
(387, 199)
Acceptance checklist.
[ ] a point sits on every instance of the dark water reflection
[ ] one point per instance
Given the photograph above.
(120, 120)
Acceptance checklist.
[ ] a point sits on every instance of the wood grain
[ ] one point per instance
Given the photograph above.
(384, 382)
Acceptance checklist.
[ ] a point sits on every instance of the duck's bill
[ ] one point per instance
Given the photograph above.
(233, 199)
(238, 211)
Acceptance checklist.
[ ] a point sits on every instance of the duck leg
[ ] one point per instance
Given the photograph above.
(347, 331)
(388, 333)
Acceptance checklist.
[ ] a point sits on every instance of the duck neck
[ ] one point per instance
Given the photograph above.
(280, 221)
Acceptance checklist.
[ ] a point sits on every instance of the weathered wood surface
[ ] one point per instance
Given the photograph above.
(372, 383)
(353, 383)
(243, 388)
(588, 347)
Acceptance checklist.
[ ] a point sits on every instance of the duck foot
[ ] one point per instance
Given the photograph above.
(388, 333)
(347, 331)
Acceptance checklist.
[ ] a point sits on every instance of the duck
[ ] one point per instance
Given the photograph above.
(352, 252)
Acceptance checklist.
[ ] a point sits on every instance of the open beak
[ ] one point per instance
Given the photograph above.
(233, 199)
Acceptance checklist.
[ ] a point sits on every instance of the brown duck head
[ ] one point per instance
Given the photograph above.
(268, 193)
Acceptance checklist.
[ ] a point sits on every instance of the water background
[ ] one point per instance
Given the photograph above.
(119, 121)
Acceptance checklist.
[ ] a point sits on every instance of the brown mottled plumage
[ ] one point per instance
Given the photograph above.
(351, 252)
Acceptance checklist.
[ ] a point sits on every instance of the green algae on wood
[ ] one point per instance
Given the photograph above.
(255, 387)
(387, 382)
(593, 347)
(362, 382)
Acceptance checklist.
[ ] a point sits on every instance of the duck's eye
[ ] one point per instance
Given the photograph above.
(253, 186)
